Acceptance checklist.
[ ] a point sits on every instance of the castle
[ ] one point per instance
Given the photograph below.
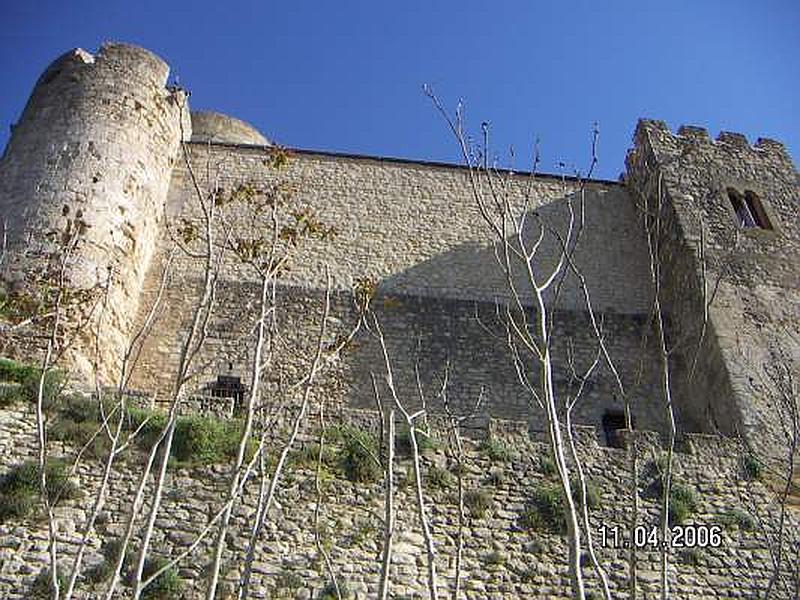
(106, 145)
(101, 138)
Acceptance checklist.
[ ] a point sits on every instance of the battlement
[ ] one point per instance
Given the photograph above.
(732, 214)
(75, 58)
(657, 134)
(130, 61)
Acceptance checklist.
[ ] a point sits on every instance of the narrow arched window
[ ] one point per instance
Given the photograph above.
(750, 213)
(756, 209)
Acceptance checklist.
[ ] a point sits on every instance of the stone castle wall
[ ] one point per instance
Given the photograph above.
(101, 135)
(98, 140)
(415, 230)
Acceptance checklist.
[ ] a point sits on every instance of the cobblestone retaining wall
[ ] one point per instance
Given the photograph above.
(502, 558)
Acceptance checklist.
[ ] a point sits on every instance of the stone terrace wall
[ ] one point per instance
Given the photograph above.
(502, 559)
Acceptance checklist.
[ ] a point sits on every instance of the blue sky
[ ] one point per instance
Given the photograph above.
(347, 76)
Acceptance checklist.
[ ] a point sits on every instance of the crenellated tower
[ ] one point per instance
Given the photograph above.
(729, 249)
(94, 151)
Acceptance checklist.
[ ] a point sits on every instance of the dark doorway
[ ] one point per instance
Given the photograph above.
(613, 421)
(229, 386)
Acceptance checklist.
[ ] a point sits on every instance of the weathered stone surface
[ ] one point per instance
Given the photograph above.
(501, 558)
(751, 348)
(96, 143)
(101, 135)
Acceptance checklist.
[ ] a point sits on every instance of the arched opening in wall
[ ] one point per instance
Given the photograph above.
(757, 209)
(613, 422)
(750, 213)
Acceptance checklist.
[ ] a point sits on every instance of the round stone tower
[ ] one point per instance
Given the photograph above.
(93, 154)
(217, 128)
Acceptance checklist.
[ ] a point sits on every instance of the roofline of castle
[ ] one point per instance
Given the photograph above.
(407, 161)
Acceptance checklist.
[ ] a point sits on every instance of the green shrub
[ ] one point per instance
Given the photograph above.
(100, 572)
(495, 478)
(752, 467)
(204, 440)
(75, 408)
(438, 478)
(306, 457)
(546, 466)
(19, 487)
(495, 559)
(166, 586)
(288, 580)
(545, 510)
(76, 421)
(655, 469)
(536, 546)
(477, 502)
(65, 429)
(329, 591)
(528, 574)
(736, 518)
(79, 420)
(682, 503)
(592, 493)
(11, 370)
(338, 433)
(17, 505)
(198, 439)
(425, 442)
(692, 556)
(52, 388)
(459, 469)
(495, 449)
(403, 481)
(110, 551)
(10, 393)
(357, 457)
(79, 434)
(682, 499)
(152, 423)
(42, 588)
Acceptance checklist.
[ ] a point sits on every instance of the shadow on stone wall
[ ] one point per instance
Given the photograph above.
(611, 254)
(442, 325)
